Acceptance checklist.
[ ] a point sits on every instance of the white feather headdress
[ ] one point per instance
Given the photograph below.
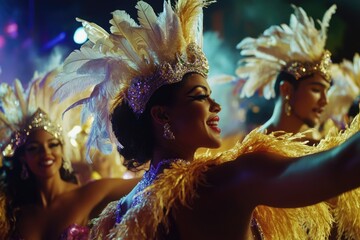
(23, 111)
(132, 61)
(297, 48)
(345, 89)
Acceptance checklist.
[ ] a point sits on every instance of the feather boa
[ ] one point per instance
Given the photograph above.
(346, 207)
(177, 185)
(4, 221)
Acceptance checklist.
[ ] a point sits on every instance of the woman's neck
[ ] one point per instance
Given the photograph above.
(286, 125)
(49, 189)
(161, 155)
(279, 121)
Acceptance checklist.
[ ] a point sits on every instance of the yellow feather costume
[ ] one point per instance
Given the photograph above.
(178, 184)
(346, 207)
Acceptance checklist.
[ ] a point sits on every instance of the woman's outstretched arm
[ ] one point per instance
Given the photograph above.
(273, 180)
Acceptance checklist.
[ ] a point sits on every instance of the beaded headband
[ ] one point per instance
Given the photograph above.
(39, 120)
(21, 113)
(141, 89)
(303, 69)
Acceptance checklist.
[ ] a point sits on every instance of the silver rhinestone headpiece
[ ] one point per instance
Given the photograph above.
(303, 69)
(39, 120)
(142, 88)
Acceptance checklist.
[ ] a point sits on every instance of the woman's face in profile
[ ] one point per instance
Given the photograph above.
(310, 99)
(43, 154)
(194, 115)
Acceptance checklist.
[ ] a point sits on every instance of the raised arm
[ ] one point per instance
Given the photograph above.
(273, 180)
(95, 195)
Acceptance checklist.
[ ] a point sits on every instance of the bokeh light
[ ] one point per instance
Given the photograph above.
(2, 41)
(80, 35)
(11, 30)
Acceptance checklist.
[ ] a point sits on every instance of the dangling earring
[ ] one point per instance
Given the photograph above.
(287, 106)
(168, 134)
(24, 172)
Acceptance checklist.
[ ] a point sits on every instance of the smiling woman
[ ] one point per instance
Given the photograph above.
(291, 64)
(170, 110)
(41, 198)
(43, 154)
(150, 96)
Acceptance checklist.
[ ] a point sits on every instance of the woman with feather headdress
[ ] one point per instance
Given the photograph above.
(290, 63)
(150, 93)
(40, 196)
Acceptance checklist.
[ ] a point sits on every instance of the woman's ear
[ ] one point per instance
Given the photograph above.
(159, 114)
(286, 89)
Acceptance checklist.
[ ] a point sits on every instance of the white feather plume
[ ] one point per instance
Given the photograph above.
(110, 61)
(264, 57)
(344, 91)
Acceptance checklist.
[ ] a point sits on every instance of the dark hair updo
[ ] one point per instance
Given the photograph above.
(284, 76)
(135, 132)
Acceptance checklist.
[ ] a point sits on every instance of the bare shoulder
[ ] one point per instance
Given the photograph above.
(243, 178)
(246, 166)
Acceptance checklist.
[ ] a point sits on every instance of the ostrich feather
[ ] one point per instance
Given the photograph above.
(279, 45)
(190, 13)
(344, 91)
(325, 23)
(94, 32)
(79, 57)
(148, 20)
(166, 21)
(4, 120)
(126, 34)
(109, 63)
(19, 91)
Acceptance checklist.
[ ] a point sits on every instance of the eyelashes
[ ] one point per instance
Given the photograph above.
(35, 147)
(200, 97)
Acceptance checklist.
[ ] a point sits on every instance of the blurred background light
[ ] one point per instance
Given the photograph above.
(2, 41)
(11, 30)
(80, 35)
(60, 37)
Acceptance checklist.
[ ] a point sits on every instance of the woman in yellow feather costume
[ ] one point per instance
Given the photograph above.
(150, 93)
(40, 197)
(290, 63)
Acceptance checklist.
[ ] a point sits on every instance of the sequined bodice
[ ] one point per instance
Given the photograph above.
(76, 232)
(73, 232)
(146, 181)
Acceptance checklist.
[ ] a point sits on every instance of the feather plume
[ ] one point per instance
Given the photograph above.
(299, 41)
(6, 122)
(190, 15)
(109, 62)
(148, 19)
(19, 91)
(19, 105)
(344, 91)
(94, 31)
(325, 23)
